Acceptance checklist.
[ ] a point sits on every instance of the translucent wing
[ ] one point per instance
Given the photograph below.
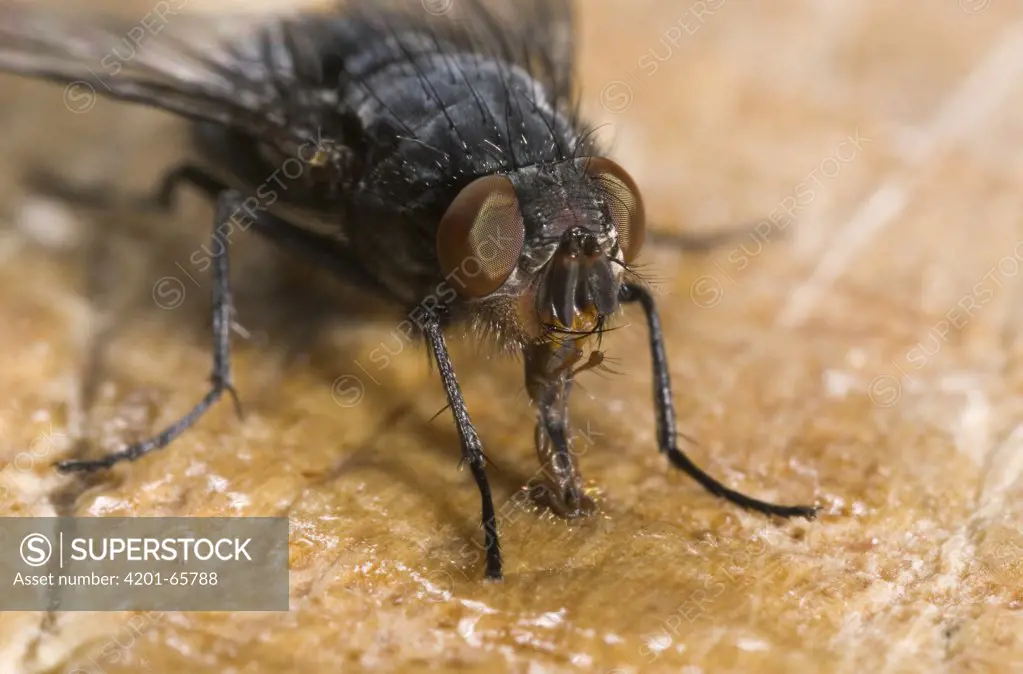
(235, 70)
(537, 35)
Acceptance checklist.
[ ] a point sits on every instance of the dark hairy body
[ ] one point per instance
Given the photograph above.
(438, 160)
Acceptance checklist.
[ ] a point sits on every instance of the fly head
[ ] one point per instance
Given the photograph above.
(539, 253)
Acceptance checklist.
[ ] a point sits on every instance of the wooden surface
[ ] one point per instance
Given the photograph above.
(863, 352)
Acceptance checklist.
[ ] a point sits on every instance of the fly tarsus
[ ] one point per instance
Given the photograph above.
(227, 202)
(666, 430)
(683, 463)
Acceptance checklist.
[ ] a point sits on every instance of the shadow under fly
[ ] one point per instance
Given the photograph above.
(437, 157)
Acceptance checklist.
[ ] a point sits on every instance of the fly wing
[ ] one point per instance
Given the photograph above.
(265, 75)
(538, 35)
(255, 73)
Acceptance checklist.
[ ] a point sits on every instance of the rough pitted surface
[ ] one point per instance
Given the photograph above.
(863, 352)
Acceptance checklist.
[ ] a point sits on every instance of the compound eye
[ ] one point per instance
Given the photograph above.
(480, 237)
(623, 202)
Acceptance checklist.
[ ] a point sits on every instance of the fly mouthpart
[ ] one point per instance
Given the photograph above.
(578, 288)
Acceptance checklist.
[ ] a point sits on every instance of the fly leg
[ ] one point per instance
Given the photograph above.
(549, 382)
(666, 430)
(162, 197)
(472, 447)
(309, 246)
(228, 204)
(105, 196)
(703, 242)
(321, 250)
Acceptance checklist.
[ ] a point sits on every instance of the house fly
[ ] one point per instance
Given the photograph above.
(443, 162)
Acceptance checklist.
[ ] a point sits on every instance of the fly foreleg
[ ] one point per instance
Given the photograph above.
(472, 447)
(667, 433)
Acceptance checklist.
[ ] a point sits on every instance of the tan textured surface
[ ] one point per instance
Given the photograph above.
(820, 366)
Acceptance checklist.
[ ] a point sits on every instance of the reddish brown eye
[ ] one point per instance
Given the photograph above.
(623, 201)
(480, 237)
